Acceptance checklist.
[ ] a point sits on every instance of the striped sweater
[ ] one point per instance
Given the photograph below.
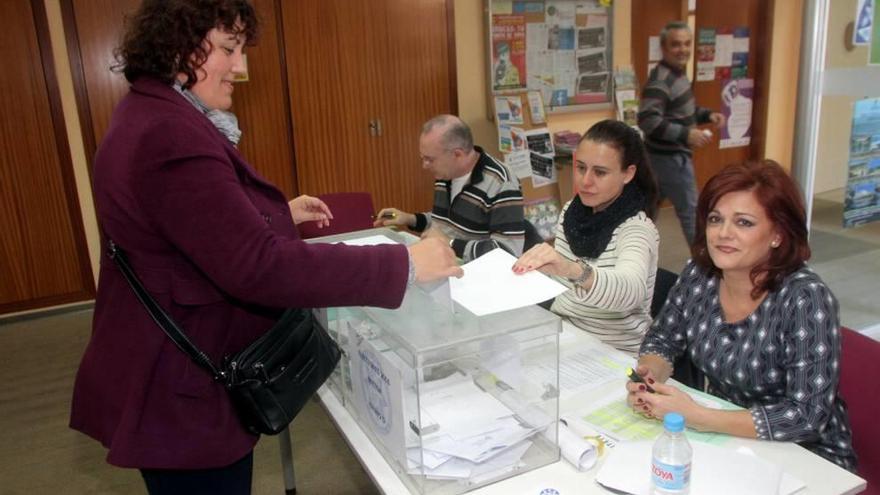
(486, 214)
(617, 308)
(667, 110)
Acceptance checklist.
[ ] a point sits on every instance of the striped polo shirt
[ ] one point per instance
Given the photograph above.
(667, 110)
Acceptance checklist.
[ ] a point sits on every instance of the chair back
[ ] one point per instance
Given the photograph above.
(351, 211)
(662, 283)
(860, 388)
(684, 370)
(532, 237)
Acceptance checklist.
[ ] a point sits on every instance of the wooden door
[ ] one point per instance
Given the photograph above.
(43, 254)
(417, 55)
(353, 63)
(94, 29)
(729, 14)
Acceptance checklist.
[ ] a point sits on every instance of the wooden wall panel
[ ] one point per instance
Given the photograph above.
(418, 58)
(350, 63)
(94, 29)
(326, 52)
(43, 253)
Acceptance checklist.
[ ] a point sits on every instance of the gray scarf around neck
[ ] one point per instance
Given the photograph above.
(225, 122)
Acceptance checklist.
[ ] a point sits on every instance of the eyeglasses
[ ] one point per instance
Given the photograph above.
(428, 160)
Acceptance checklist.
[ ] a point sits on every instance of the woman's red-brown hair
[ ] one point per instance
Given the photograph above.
(783, 205)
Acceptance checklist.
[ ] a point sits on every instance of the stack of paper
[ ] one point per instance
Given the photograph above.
(467, 434)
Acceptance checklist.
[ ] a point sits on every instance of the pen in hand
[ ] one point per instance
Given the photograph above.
(633, 376)
(388, 215)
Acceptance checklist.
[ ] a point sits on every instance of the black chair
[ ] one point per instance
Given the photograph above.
(684, 369)
(662, 283)
(532, 237)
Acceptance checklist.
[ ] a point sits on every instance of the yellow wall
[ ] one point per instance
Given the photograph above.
(835, 119)
(784, 62)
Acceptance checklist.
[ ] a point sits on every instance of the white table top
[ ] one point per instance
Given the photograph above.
(820, 476)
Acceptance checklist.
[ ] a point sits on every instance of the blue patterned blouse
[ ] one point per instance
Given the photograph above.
(782, 362)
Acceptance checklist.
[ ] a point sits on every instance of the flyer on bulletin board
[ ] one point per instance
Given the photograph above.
(862, 202)
(508, 52)
(736, 105)
(864, 22)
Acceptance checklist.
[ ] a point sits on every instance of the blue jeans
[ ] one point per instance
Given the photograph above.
(676, 181)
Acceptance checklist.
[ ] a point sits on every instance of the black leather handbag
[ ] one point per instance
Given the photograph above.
(270, 380)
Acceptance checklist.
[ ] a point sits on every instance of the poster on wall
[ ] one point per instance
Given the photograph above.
(736, 105)
(862, 201)
(864, 22)
(508, 52)
(706, 54)
(543, 214)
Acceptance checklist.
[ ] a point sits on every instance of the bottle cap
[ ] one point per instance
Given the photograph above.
(673, 422)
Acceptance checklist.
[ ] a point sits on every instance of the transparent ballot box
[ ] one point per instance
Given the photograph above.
(453, 401)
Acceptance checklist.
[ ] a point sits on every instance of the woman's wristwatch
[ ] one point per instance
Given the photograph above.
(585, 274)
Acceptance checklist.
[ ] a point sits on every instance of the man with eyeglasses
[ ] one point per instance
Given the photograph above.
(478, 204)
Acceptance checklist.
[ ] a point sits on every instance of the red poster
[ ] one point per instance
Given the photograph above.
(508, 52)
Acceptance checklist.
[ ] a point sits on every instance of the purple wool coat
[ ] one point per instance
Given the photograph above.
(216, 246)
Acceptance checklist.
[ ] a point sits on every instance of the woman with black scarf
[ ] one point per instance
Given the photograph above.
(606, 242)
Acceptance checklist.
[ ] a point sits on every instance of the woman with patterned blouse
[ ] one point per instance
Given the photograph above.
(751, 316)
(606, 243)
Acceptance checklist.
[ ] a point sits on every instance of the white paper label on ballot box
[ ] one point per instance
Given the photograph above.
(377, 391)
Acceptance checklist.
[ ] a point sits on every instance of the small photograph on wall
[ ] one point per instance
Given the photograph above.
(861, 204)
(543, 214)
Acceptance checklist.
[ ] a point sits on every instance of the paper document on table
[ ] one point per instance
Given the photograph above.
(616, 420)
(373, 240)
(581, 370)
(490, 286)
(716, 470)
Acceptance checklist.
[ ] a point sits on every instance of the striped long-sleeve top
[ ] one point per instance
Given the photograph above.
(667, 110)
(486, 214)
(782, 362)
(617, 308)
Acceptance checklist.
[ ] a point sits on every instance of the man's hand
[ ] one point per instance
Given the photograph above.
(388, 217)
(717, 119)
(697, 138)
(436, 233)
(434, 260)
(307, 208)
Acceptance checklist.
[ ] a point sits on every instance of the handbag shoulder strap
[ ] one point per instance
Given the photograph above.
(163, 319)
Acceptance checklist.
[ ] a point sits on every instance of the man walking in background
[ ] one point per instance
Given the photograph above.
(668, 115)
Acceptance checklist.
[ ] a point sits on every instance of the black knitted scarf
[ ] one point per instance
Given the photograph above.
(589, 233)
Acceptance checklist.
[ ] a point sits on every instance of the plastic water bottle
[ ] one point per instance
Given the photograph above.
(671, 460)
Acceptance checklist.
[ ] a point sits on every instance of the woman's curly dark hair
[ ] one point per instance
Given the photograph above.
(166, 37)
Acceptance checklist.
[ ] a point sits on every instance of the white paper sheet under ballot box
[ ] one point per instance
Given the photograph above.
(445, 395)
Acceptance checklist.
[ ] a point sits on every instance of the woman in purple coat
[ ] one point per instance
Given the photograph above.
(214, 243)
